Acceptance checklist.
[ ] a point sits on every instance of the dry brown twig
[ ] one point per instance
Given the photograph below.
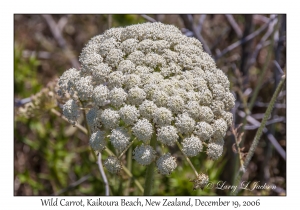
(57, 34)
(236, 146)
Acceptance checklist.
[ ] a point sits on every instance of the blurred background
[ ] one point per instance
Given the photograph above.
(51, 157)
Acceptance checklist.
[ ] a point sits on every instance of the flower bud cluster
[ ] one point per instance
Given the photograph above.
(150, 81)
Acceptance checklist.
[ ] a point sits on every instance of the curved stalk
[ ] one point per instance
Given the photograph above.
(187, 158)
(258, 135)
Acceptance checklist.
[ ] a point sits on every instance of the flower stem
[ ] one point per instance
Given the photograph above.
(187, 159)
(258, 135)
(150, 170)
(129, 145)
(85, 120)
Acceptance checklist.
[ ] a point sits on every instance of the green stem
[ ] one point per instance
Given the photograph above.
(150, 170)
(187, 159)
(129, 166)
(258, 134)
(136, 182)
(85, 121)
(129, 146)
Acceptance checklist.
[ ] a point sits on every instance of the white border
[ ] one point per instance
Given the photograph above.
(8, 8)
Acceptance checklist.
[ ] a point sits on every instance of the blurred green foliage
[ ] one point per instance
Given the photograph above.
(125, 20)
(25, 74)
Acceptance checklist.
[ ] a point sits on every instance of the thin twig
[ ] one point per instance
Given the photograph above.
(278, 67)
(261, 18)
(21, 102)
(62, 22)
(237, 143)
(103, 174)
(80, 127)
(129, 145)
(57, 34)
(246, 39)
(258, 135)
(262, 104)
(234, 25)
(271, 138)
(73, 185)
(199, 26)
(277, 105)
(262, 42)
(187, 158)
(253, 127)
(38, 54)
(150, 19)
(264, 70)
(189, 24)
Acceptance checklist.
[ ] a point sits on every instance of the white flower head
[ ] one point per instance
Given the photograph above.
(107, 45)
(147, 109)
(147, 46)
(67, 81)
(160, 98)
(70, 111)
(136, 96)
(97, 141)
(206, 114)
(229, 101)
(119, 138)
(100, 95)
(192, 146)
(129, 46)
(100, 73)
(113, 165)
(137, 57)
(143, 130)
(93, 119)
(132, 80)
(167, 135)
(144, 154)
(228, 117)
(166, 164)
(175, 103)
(84, 88)
(162, 116)
(193, 109)
(117, 96)
(110, 118)
(115, 79)
(201, 181)
(114, 57)
(217, 107)
(214, 151)
(129, 114)
(126, 66)
(203, 130)
(184, 123)
(220, 128)
(149, 81)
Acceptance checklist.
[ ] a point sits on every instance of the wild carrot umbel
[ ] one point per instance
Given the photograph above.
(152, 83)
